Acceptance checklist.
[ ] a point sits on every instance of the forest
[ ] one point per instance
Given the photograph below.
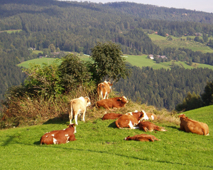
(52, 26)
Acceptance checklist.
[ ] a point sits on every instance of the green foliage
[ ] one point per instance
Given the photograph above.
(43, 80)
(191, 101)
(109, 62)
(73, 72)
(207, 96)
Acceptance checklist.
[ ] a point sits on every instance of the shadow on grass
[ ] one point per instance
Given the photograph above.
(62, 119)
(112, 125)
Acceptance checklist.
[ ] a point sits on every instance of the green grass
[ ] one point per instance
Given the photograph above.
(100, 145)
(39, 61)
(143, 61)
(176, 42)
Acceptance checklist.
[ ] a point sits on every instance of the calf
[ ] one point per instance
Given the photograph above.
(78, 106)
(104, 89)
(189, 125)
(116, 102)
(148, 116)
(142, 138)
(111, 116)
(59, 136)
(129, 120)
(145, 125)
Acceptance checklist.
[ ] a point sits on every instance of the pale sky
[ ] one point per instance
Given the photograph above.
(198, 5)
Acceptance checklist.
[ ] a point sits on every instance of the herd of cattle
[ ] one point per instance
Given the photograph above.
(132, 120)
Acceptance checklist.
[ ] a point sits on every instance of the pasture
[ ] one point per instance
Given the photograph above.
(179, 42)
(135, 60)
(11, 31)
(100, 145)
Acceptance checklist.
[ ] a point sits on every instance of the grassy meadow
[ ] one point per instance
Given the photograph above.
(180, 42)
(100, 145)
(11, 31)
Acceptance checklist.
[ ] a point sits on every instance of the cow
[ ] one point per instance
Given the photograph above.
(78, 106)
(104, 89)
(189, 125)
(149, 116)
(59, 136)
(111, 116)
(142, 138)
(116, 102)
(148, 126)
(129, 120)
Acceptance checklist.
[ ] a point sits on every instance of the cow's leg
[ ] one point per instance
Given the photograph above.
(76, 117)
(71, 115)
(105, 95)
(83, 117)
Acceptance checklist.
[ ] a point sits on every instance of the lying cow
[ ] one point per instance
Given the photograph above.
(148, 126)
(129, 120)
(149, 116)
(189, 125)
(142, 138)
(116, 102)
(78, 106)
(111, 116)
(59, 136)
(104, 89)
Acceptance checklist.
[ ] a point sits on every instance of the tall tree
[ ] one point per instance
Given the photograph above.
(109, 62)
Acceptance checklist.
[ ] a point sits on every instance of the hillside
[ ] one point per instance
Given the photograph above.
(100, 144)
(35, 29)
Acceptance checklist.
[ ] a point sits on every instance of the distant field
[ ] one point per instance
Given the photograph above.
(143, 61)
(26, 64)
(176, 42)
(11, 31)
(135, 60)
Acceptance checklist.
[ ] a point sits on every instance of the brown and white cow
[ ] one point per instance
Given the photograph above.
(111, 116)
(116, 102)
(148, 126)
(149, 116)
(104, 89)
(189, 125)
(129, 120)
(142, 138)
(59, 136)
(78, 106)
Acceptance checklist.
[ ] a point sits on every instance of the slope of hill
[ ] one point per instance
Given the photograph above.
(100, 145)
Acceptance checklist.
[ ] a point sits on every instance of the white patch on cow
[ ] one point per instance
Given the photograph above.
(64, 129)
(152, 117)
(129, 113)
(145, 117)
(124, 97)
(136, 111)
(207, 134)
(66, 135)
(131, 125)
(55, 141)
(53, 135)
(125, 138)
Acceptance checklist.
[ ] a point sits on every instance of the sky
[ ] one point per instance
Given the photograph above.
(198, 5)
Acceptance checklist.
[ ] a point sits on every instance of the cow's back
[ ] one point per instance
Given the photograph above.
(124, 121)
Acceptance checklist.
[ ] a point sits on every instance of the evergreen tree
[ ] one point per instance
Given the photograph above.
(207, 96)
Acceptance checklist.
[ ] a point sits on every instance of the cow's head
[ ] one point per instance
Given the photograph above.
(87, 99)
(72, 126)
(182, 116)
(123, 99)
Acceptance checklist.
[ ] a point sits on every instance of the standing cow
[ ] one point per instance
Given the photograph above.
(78, 106)
(104, 89)
(189, 125)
